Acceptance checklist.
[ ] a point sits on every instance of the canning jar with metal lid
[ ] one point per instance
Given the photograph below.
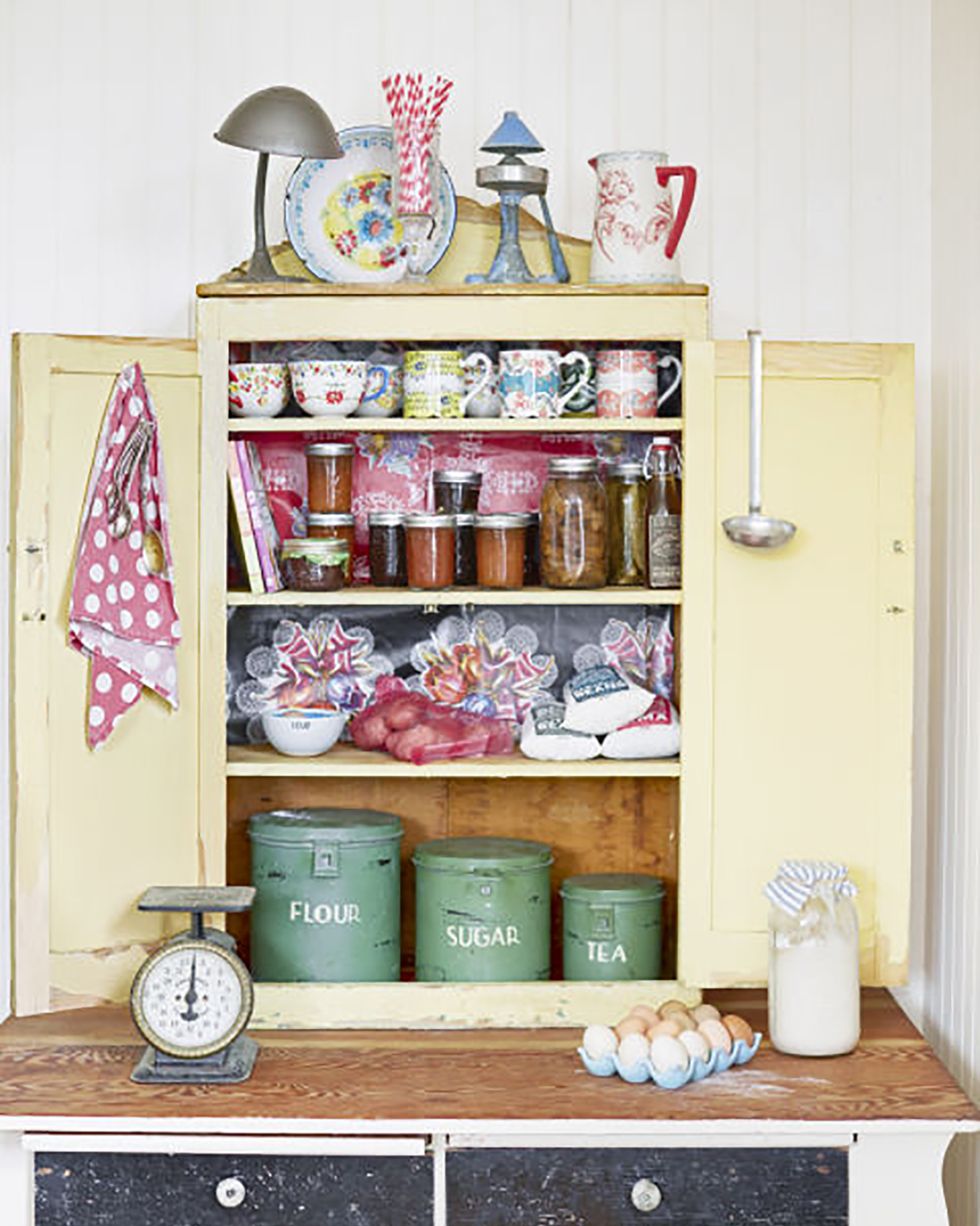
(310, 565)
(334, 526)
(430, 547)
(626, 505)
(456, 489)
(532, 550)
(464, 557)
(329, 472)
(500, 549)
(573, 524)
(386, 548)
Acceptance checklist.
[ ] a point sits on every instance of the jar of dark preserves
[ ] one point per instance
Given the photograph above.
(532, 550)
(456, 490)
(313, 565)
(573, 524)
(464, 567)
(386, 548)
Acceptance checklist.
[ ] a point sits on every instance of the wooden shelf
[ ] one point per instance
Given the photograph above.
(346, 762)
(403, 596)
(455, 425)
(401, 289)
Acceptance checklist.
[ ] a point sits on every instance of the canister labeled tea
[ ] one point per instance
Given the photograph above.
(327, 903)
(611, 926)
(483, 910)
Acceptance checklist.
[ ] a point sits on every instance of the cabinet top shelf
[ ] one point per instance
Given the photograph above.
(325, 289)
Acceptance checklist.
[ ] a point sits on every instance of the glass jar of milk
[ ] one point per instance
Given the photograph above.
(814, 980)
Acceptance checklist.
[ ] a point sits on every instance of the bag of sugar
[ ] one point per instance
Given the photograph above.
(655, 734)
(599, 700)
(544, 736)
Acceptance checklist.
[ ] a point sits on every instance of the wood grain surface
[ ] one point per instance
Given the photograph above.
(78, 1063)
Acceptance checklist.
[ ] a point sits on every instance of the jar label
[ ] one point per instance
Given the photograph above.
(605, 951)
(598, 682)
(472, 936)
(664, 552)
(303, 912)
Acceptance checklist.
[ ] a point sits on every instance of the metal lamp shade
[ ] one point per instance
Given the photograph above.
(283, 120)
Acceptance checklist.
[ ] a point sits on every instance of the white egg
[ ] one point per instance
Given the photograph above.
(668, 1053)
(632, 1049)
(697, 1045)
(599, 1041)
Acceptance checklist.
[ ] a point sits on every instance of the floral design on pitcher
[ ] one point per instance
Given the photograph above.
(616, 188)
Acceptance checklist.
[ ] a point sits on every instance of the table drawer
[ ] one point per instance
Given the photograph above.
(621, 1187)
(118, 1189)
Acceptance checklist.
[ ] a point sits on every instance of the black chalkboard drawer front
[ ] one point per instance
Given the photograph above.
(100, 1189)
(624, 1187)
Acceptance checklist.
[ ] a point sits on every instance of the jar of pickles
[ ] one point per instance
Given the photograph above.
(464, 566)
(573, 524)
(329, 472)
(334, 526)
(456, 489)
(386, 548)
(500, 543)
(313, 565)
(626, 506)
(430, 547)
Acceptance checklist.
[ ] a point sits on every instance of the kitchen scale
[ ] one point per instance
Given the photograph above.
(193, 997)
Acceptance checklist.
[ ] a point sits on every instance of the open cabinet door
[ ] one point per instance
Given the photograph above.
(92, 830)
(798, 661)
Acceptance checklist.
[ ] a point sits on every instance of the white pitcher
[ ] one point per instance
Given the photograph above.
(635, 233)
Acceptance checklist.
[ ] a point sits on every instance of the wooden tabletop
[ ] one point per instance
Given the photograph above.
(59, 1069)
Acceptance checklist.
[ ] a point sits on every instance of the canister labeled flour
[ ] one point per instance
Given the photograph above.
(327, 903)
(483, 910)
(611, 926)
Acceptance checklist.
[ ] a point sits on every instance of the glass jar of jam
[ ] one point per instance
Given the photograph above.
(464, 558)
(532, 550)
(500, 549)
(626, 506)
(573, 524)
(386, 548)
(456, 489)
(430, 548)
(310, 565)
(334, 526)
(329, 471)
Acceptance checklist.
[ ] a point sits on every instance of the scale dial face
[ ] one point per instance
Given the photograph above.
(192, 998)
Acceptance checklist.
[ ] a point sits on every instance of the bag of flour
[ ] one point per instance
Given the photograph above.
(656, 734)
(600, 699)
(543, 736)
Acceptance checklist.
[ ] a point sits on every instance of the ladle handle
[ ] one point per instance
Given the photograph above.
(755, 421)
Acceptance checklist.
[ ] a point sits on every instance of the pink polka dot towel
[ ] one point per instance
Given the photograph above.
(122, 613)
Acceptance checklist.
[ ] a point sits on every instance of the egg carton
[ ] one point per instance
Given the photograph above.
(642, 1070)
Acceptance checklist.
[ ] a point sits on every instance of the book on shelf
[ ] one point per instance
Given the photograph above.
(260, 514)
(241, 524)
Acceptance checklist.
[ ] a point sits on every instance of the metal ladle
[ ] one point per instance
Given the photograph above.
(755, 530)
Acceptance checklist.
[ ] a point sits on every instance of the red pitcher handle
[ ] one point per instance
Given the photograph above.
(690, 177)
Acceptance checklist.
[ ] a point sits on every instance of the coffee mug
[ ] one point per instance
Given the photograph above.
(335, 386)
(388, 400)
(530, 381)
(627, 382)
(435, 381)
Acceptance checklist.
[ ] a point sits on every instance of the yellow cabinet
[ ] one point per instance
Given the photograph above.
(795, 666)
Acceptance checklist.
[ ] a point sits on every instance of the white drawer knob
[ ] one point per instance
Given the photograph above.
(646, 1196)
(230, 1193)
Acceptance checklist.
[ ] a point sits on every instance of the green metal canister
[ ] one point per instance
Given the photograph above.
(327, 902)
(483, 910)
(611, 926)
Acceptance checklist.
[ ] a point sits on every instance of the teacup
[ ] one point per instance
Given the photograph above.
(435, 384)
(530, 381)
(257, 389)
(388, 399)
(335, 386)
(627, 382)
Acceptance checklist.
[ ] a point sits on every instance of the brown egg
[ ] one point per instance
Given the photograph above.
(701, 1013)
(647, 1013)
(716, 1034)
(667, 1026)
(738, 1028)
(672, 1006)
(630, 1025)
(684, 1020)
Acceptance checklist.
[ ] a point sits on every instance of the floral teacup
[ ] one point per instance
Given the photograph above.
(530, 381)
(435, 381)
(389, 400)
(257, 389)
(335, 387)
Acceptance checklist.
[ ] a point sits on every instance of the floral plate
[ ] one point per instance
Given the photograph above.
(339, 216)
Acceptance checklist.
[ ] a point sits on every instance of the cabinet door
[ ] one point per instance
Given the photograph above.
(92, 830)
(798, 661)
